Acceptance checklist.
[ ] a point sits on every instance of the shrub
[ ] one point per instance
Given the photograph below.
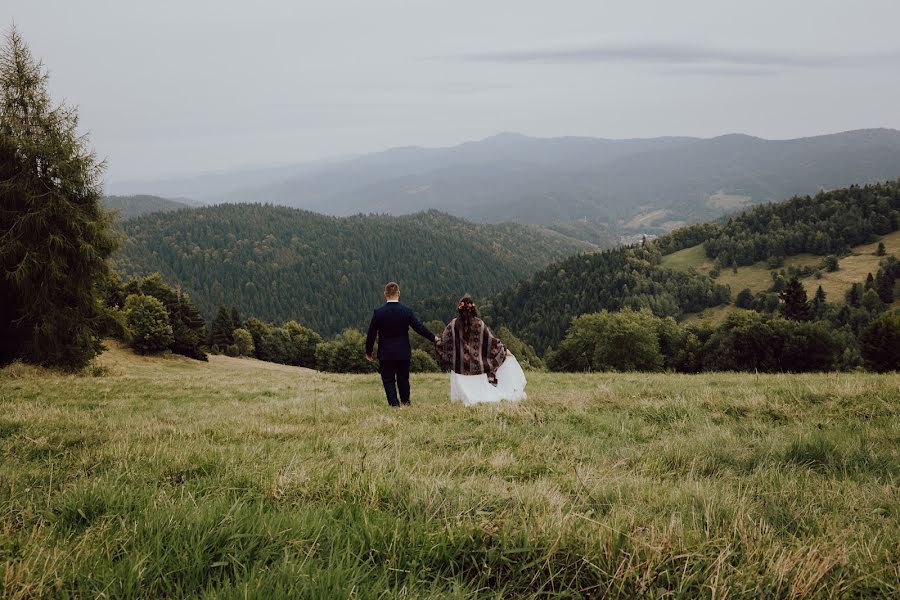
(188, 327)
(303, 344)
(880, 342)
(243, 341)
(748, 341)
(422, 362)
(148, 323)
(744, 298)
(275, 346)
(611, 341)
(344, 354)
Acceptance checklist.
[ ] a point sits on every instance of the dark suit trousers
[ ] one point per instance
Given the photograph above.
(395, 376)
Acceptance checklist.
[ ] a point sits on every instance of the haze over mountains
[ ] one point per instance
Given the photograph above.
(646, 185)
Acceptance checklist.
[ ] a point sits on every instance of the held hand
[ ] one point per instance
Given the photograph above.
(508, 352)
(437, 340)
(369, 357)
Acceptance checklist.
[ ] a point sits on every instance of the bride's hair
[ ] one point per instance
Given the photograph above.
(467, 313)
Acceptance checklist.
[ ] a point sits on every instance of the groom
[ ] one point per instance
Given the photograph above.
(390, 324)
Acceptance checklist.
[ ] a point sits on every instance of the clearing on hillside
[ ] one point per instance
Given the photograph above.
(758, 277)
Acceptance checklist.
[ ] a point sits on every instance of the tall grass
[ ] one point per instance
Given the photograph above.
(169, 478)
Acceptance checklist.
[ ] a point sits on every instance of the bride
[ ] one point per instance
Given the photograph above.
(481, 368)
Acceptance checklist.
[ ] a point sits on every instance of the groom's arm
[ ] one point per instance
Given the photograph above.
(370, 337)
(417, 326)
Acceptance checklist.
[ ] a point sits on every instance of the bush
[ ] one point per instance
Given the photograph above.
(188, 327)
(275, 346)
(148, 323)
(744, 298)
(303, 344)
(422, 362)
(748, 341)
(880, 342)
(344, 354)
(611, 341)
(243, 340)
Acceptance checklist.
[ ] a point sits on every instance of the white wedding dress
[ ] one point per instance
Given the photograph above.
(475, 389)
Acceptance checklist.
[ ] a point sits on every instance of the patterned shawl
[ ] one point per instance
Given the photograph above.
(471, 353)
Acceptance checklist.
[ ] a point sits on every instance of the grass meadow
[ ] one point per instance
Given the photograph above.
(172, 478)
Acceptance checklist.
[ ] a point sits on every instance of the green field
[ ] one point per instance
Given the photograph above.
(171, 478)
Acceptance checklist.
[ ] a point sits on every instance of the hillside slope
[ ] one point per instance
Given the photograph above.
(852, 268)
(279, 263)
(671, 275)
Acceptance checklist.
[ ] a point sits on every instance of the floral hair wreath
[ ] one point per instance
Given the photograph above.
(465, 304)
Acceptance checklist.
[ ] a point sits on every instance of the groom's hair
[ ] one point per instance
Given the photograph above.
(391, 290)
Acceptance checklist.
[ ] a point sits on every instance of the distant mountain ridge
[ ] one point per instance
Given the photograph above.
(129, 207)
(649, 185)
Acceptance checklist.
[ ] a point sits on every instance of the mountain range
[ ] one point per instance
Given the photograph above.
(645, 185)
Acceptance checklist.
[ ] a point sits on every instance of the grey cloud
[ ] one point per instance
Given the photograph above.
(753, 62)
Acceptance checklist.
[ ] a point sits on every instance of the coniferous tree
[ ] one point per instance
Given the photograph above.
(854, 294)
(56, 235)
(819, 298)
(818, 305)
(881, 249)
(222, 328)
(794, 305)
(884, 285)
(870, 282)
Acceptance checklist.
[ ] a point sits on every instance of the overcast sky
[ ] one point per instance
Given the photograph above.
(181, 87)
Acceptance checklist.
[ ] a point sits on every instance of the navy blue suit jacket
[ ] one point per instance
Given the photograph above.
(390, 324)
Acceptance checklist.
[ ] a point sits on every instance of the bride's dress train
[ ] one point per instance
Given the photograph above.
(474, 389)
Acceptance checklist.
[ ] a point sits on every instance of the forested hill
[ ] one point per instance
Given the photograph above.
(129, 207)
(541, 307)
(326, 272)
